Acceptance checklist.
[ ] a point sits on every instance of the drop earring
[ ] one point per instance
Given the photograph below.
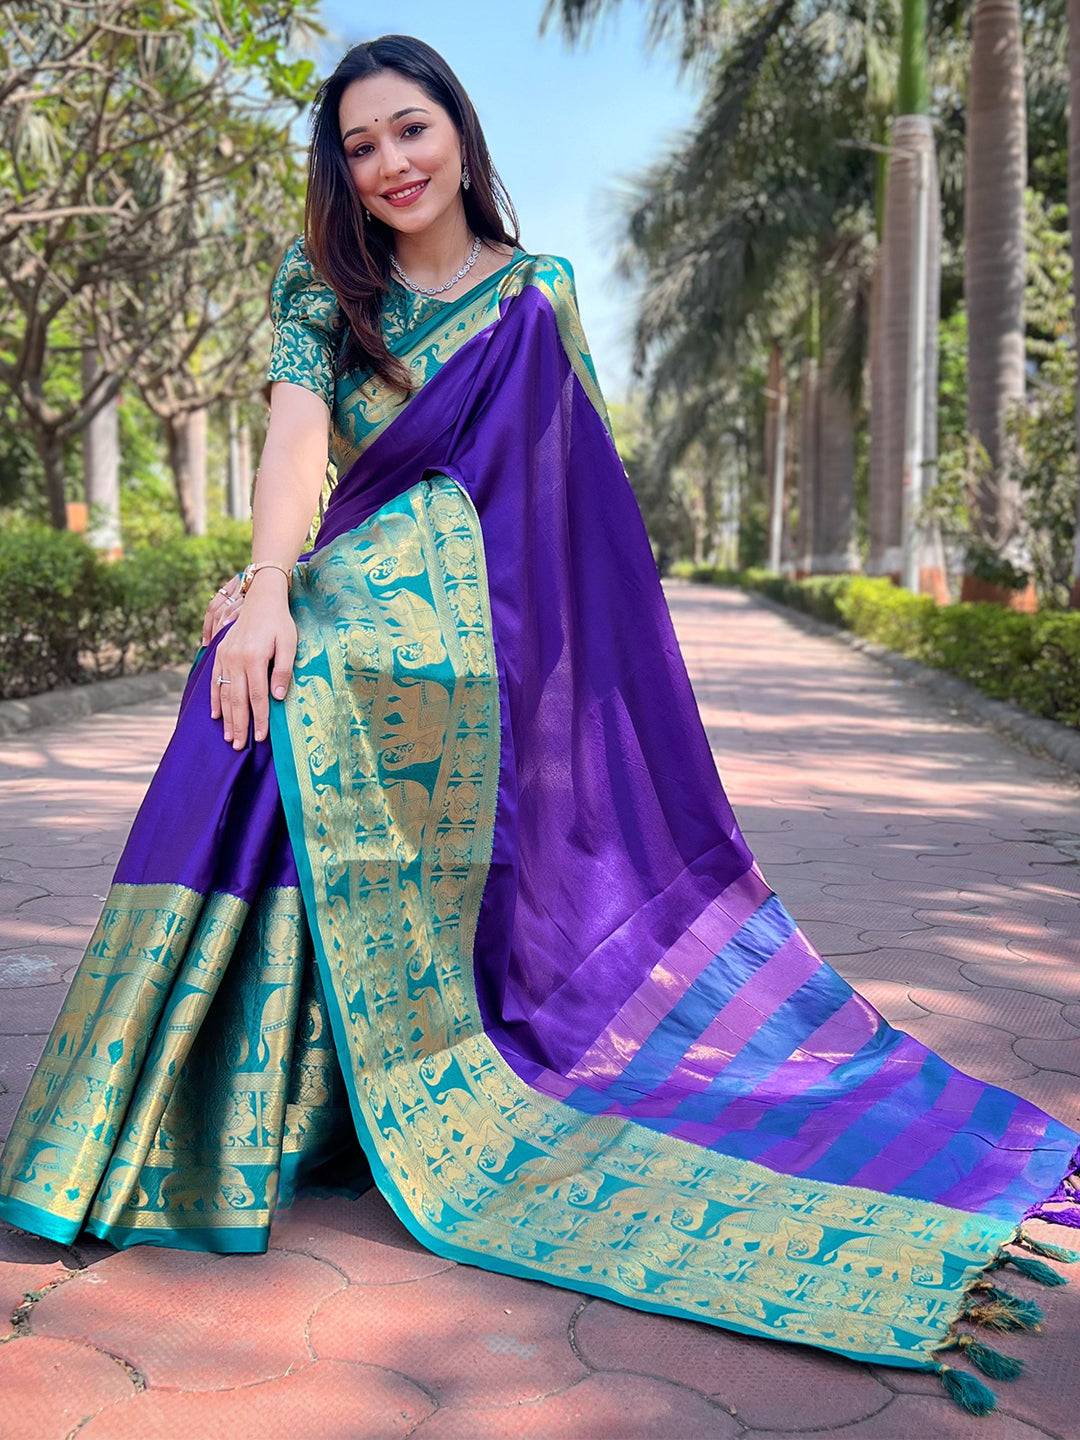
(465, 176)
(367, 212)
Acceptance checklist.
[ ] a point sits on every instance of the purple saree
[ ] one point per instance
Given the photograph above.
(479, 922)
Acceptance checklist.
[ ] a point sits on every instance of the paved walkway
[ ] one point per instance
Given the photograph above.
(936, 865)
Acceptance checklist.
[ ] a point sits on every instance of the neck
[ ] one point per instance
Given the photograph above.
(433, 254)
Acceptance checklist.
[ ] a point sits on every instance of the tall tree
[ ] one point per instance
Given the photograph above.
(910, 276)
(214, 295)
(103, 105)
(808, 475)
(731, 228)
(994, 276)
(845, 285)
(101, 465)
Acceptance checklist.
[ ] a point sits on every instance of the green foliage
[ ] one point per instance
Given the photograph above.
(1041, 454)
(952, 379)
(49, 593)
(21, 484)
(68, 617)
(753, 529)
(1031, 660)
(158, 595)
(1051, 684)
(149, 178)
(1045, 429)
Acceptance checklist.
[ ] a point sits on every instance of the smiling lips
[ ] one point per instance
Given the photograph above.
(404, 193)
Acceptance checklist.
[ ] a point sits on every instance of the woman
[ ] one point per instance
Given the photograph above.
(459, 904)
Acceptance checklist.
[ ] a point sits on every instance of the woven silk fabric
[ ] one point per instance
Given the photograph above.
(481, 916)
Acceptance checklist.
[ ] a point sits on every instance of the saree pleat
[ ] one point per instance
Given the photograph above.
(190, 1082)
(479, 924)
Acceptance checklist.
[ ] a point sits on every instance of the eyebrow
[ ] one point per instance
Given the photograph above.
(409, 110)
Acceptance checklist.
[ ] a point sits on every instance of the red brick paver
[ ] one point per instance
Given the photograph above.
(51, 1387)
(935, 864)
(202, 1335)
(321, 1400)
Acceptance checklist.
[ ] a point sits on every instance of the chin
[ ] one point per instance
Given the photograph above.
(429, 208)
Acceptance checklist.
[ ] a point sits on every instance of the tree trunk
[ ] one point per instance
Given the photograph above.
(233, 482)
(833, 525)
(886, 555)
(807, 477)
(727, 550)
(101, 467)
(50, 449)
(884, 499)
(902, 468)
(772, 406)
(915, 133)
(245, 471)
(186, 438)
(912, 135)
(1074, 243)
(933, 573)
(996, 164)
(789, 484)
(698, 522)
(890, 386)
(709, 509)
(776, 475)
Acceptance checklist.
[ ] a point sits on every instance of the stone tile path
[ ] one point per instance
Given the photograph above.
(938, 867)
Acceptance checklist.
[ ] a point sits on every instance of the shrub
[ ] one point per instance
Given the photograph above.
(49, 592)
(68, 617)
(158, 596)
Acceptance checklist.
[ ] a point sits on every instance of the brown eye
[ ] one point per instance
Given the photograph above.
(415, 125)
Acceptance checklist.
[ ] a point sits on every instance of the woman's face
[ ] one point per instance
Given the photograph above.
(394, 135)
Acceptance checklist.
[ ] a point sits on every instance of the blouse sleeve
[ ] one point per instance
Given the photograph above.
(307, 326)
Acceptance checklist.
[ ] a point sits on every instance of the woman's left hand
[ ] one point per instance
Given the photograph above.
(222, 609)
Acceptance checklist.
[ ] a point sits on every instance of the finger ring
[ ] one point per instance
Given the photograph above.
(222, 590)
(222, 681)
(230, 599)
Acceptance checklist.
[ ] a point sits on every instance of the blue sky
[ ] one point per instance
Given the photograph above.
(564, 126)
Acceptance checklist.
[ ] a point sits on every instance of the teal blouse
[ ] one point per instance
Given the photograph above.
(309, 331)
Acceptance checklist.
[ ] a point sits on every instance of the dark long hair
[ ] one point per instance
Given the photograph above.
(352, 253)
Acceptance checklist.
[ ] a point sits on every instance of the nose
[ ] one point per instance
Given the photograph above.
(391, 159)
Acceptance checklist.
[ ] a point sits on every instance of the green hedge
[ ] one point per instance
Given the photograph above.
(67, 617)
(1032, 660)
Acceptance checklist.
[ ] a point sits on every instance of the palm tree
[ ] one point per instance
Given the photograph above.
(994, 275)
(775, 451)
(762, 184)
(825, 539)
(842, 350)
(809, 435)
(901, 471)
(728, 230)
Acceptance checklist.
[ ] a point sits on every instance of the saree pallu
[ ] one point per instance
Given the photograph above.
(479, 924)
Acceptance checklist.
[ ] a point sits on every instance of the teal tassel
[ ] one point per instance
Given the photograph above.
(1046, 1249)
(1000, 1311)
(967, 1391)
(1035, 1270)
(991, 1362)
(1028, 1313)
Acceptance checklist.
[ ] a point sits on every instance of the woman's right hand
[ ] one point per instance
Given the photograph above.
(264, 633)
